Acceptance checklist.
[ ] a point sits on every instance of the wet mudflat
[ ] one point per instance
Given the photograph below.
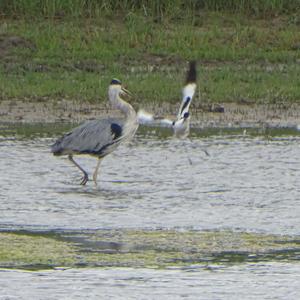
(177, 221)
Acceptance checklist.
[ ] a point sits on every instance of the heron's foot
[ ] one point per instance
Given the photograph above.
(84, 179)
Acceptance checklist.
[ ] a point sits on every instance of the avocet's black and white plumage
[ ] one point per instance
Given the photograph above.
(99, 137)
(181, 126)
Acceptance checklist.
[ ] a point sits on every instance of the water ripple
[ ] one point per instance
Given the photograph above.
(246, 182)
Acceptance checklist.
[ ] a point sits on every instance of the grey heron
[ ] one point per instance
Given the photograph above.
(181, 126)
(100, 137)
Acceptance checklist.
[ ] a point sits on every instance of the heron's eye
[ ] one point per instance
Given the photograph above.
(186, 115)
(173, 123)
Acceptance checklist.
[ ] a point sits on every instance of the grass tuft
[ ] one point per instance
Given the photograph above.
(159, 10)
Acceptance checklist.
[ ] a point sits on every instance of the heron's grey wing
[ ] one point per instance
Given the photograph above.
(93, 137)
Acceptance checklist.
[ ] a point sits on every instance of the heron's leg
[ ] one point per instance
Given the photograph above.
(96, 171)
(85, 175)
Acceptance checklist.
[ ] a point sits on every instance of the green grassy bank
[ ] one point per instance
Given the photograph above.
(162, 10)
(245, 53)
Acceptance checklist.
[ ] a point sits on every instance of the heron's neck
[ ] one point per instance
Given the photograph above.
(124, 107)
(131, 123)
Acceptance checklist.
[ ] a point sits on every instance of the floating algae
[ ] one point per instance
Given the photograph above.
(23, 250)
(137, 248)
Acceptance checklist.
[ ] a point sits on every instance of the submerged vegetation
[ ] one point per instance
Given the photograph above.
(135, 248)
(247, 51)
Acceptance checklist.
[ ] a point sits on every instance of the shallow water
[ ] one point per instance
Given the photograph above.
(247, 281)
(249, 183)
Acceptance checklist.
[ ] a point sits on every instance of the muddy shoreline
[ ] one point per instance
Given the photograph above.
(203, 116)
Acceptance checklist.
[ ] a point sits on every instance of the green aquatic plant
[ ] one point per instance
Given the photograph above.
(137, 248)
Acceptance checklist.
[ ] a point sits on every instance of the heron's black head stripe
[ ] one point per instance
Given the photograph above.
(115, 81)
(187, 101)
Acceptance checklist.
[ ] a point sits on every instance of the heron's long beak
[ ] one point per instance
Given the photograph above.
(126, 92)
